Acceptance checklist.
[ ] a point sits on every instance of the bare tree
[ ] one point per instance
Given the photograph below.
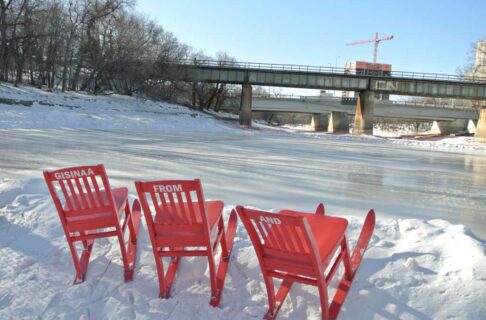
(98, 46)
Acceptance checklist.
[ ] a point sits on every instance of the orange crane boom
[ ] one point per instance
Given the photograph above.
(376, 41)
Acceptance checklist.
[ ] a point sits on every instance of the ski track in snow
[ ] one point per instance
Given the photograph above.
(413, 269)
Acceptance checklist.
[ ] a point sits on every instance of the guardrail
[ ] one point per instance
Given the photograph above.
(329, 69)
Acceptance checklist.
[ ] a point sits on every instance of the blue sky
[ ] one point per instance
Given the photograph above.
(430, 36)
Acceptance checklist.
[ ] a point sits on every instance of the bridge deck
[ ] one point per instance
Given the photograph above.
(383, 109)
(400, 83)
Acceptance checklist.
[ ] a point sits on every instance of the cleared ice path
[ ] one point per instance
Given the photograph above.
(270, 170)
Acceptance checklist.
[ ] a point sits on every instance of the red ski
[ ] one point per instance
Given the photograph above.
(298, 247)
(225, 258)
(356, 257)
(133, 222)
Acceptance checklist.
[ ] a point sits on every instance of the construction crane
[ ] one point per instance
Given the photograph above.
(376, 40)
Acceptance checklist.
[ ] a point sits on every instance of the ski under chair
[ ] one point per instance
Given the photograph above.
(184, 224)
(90, 209)
(298, 247)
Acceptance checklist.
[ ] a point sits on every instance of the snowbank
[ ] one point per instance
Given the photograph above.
(30, 108)
(413, 269)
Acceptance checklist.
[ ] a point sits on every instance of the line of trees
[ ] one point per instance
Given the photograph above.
(94, 46)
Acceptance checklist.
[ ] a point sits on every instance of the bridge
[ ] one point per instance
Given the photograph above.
(331, 114)
(329, 78)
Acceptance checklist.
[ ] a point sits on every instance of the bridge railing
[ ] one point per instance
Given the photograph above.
(330, 70)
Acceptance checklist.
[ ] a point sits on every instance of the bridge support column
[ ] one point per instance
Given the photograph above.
(480, 134)
(338, 122)
(320, 121)
(471, 126)
(449, 126)
(193, 94)
(245, 105)
(363, 119)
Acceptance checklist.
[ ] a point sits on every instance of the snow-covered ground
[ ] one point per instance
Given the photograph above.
(414, 269)
(418, 266)
(109, 112)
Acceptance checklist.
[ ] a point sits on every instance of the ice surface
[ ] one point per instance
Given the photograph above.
(271, 169)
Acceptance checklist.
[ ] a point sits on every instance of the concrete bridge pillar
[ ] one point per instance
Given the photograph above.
(480, 134)
(471, 126)
(363, 119)
(320, 122)
(245, 105)
(193, 94)
(449, 126)
(338, 122)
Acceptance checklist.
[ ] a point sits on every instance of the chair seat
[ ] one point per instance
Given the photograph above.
(327, 231)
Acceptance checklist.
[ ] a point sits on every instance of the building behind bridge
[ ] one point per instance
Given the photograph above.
(367, 68)
(480, 61)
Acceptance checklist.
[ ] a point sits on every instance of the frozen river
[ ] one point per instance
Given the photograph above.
(270, 170)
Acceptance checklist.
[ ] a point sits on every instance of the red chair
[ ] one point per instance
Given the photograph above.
(89, 209)
(182, 226)
(298, 247)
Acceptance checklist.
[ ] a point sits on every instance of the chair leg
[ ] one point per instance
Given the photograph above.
(224, 245)
(124, 255)
(131, 227)
(278, 299)
(79, 274)
(166, 279)
(212, 272)
(159, 264)
(270, 293)
(85, 242)
(226, 237)
(129, 250)
(348, 270)
(171, 272)
(322, 286)
(80, 263)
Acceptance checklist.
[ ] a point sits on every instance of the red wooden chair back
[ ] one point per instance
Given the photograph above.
(180, 219)
(282, 242)
(85, 192)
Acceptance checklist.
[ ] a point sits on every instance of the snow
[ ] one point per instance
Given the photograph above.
(110, 112)
(422, 262)
(414, 269)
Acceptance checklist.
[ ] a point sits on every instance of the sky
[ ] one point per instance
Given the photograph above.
(430, 35)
